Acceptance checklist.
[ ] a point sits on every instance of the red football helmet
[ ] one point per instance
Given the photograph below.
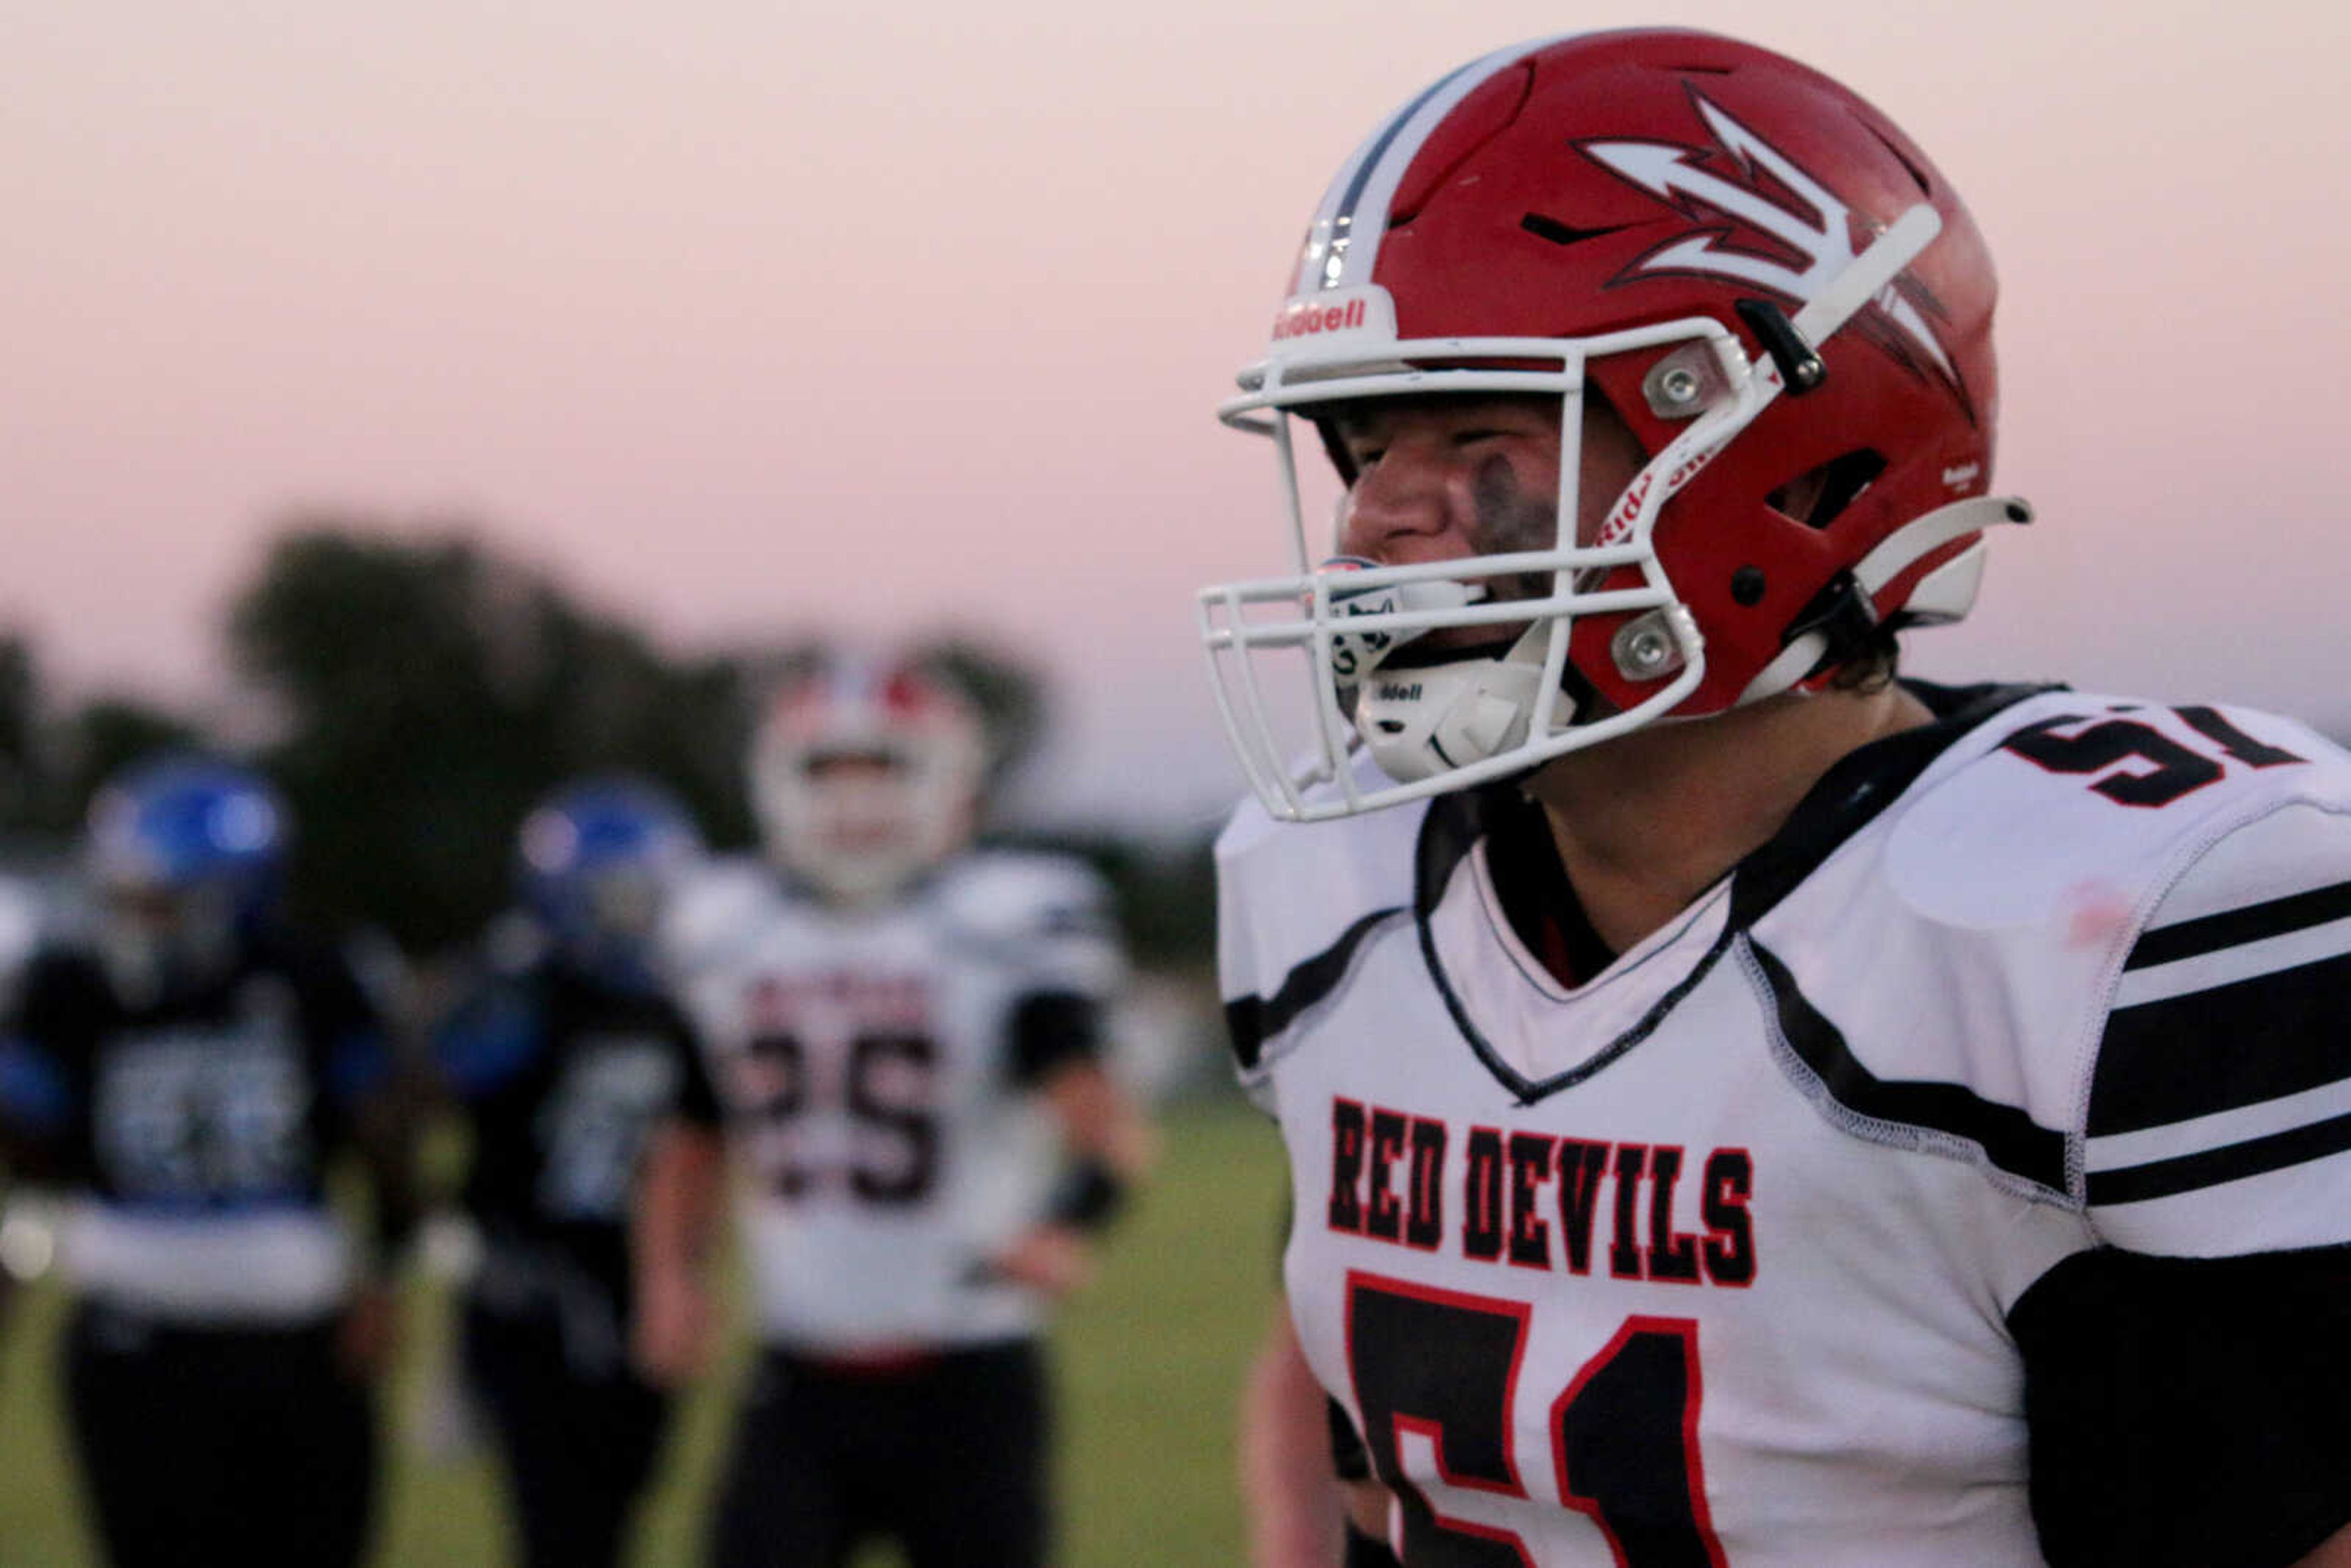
(865, 773)
(1766, 279)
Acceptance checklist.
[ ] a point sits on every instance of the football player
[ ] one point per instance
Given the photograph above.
(907, 1037)
(1745, 1108)
(568, 1053)
(190, 1071)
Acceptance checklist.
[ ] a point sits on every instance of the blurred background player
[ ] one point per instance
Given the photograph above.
(190, 1068)
(907, 1037)
(23, 911)
(567, 1054)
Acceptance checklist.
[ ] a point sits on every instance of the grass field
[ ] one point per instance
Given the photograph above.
(1149, 1362)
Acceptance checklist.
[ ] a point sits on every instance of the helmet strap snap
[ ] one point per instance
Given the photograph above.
(1800, 363)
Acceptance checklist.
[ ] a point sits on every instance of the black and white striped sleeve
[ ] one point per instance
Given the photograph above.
(2183, 1382)
(2218, 1121)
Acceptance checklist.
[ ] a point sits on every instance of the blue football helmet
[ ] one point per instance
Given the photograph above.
(186, 855)
(594, 863)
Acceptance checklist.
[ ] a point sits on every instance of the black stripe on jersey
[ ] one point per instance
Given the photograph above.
(1253, 1020)
(2184, 1412)
(2010, 1139)
(2210, 1167)
(2235, 927)
(2217, 1050)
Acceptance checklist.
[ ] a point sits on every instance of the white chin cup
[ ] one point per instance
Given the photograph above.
(1356, 655)
(1419, 723)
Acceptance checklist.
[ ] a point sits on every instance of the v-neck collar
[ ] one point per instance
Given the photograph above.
(1538, 904)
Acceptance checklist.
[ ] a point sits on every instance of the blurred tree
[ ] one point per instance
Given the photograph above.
(430, 691)
(20, 698)
(423, 692)
(50, 765)
(97, 740)
(1010, 695)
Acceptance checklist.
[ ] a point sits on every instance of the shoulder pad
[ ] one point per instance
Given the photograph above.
(1048, 914)
(1008, 895)
(2068, 795)
(1287, 892)
(2016, 880)
(711, 909)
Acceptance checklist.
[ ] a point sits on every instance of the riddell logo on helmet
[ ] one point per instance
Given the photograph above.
(1310, 318)
(1628, 506)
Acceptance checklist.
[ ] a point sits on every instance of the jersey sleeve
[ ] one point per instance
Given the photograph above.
(2183, 1412)
(1238, 983)
(2184, 1380)
(2218, 1116)
(698, 1097)
(1295, 903)
(45, 1050)
(37, 1098)
(1051, 1029)
(1047, 919)
(347, 1029)
(493, 1033)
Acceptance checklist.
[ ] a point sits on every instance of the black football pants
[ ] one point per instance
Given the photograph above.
(577, 1450)
(229, 1447)
(948, 1456)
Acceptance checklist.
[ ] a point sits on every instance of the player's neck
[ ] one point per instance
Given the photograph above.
(1646, 823)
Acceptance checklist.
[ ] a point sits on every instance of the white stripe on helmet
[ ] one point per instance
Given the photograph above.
(1344, 242)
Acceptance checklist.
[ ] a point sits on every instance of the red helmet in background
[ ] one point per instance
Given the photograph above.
(1765, 279)
(865, 773)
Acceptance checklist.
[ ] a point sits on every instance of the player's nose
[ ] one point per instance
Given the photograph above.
(1404, 509)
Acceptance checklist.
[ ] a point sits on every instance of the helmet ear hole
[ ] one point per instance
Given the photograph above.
(1817, 497)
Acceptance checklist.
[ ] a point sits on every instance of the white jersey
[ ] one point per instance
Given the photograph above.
(876, 1107)
(1717, 1257)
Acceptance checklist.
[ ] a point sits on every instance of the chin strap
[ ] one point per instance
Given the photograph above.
(1942, 596)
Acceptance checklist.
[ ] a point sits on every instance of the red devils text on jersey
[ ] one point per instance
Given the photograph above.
(1962, 1179)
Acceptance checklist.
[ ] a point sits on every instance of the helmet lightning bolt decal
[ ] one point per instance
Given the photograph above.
(1824, 237)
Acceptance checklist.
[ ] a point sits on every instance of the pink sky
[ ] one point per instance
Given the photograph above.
(749, 318)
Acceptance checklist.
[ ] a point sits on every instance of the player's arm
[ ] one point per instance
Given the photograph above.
(1107, 1143)
(42, 1096)
(376, 1091)
(485, 1039)
(36, 1107)
(383, 1132)
(2185, 1378)
(40, 1099)
(1106, 1135)
(2335, 1553)
(680, 1189)
(1289, 1488)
